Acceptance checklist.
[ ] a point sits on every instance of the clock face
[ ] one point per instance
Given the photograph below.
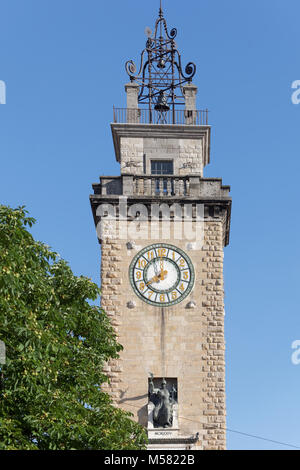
(162, 274)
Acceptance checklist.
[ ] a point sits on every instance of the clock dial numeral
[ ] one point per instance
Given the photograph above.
(142, 263)
(162, 252)
(182, 263)
(162, 274)
(174, 256)
(182, 287)
(150, 255)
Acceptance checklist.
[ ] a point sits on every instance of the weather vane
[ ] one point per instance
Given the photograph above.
(160, 75)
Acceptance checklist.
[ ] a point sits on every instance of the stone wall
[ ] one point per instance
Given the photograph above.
(181, 342)
(136, 154)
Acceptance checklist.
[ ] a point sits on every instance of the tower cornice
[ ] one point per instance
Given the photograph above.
(163, 131)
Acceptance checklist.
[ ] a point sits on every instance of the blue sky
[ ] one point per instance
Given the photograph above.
(63, 65)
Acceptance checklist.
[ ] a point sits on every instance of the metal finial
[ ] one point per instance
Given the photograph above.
(160, 13)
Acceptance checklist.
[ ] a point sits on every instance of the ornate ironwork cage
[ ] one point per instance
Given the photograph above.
(160, 76)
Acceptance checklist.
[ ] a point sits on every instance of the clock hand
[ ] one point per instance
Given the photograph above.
(154, 279)
(160, 277)
(161, 262)
(163, 274)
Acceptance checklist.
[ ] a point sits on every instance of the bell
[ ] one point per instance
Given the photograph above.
(162, 104)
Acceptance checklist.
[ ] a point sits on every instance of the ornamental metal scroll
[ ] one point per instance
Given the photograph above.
(160, 75)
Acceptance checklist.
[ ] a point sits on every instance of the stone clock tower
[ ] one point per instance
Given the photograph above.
(162, 228)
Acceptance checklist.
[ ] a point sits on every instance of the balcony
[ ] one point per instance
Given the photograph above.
(152, 186)
(147, 116)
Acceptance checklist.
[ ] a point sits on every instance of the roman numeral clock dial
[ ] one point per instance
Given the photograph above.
(162, 275)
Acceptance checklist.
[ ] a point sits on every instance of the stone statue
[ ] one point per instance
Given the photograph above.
(163, 400)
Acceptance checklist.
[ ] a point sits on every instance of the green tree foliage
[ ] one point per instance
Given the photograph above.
(56, 345)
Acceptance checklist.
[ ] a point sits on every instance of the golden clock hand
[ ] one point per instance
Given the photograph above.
(160, 277)
(154, 279)
(163, 274)
(161, 261)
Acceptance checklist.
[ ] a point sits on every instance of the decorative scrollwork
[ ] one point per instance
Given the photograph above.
(190, 69)
(160, 75)
(130, 68)
(173, 33)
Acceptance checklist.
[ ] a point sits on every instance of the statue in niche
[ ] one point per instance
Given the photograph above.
(163, 400)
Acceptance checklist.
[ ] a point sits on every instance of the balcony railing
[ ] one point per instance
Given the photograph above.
(161, 185)
(145, 185)
(147, 116)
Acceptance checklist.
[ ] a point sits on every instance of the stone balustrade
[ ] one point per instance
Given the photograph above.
(161, 186)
